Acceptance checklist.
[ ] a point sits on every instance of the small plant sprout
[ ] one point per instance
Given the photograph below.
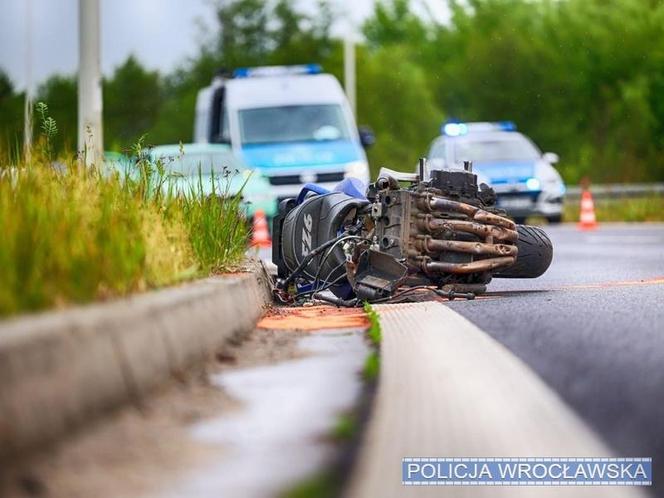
(49, 128)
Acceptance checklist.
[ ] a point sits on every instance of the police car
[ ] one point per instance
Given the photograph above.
(291, 123)
(525, 181)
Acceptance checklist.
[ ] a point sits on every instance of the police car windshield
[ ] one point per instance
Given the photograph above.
(514, 147)
(295, 123)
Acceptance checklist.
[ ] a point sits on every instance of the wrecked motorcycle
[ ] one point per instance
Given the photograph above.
(404, 233)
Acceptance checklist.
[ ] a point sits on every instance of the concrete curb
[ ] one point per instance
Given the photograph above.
(61, 369)
(447, 389)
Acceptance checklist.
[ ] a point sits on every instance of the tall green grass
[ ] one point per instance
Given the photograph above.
(72, 234)
(215, 243)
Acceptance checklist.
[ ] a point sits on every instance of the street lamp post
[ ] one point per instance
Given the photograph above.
(27, 118)
(90, 132)
(349, 71)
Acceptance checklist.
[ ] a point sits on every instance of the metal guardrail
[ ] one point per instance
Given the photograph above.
(617, 190)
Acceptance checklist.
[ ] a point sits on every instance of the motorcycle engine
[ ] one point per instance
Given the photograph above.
(443, 232)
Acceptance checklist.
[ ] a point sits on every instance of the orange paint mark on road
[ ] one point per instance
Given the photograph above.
(619, 283)
(314, 318)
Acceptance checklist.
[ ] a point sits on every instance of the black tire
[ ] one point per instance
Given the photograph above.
(558, 218)
(535, 254)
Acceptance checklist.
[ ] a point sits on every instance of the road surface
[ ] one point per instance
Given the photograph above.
(593, 328)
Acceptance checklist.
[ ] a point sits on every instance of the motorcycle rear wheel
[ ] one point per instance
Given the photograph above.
(534, 257)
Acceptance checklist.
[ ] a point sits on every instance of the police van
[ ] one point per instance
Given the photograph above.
(525, 181)
(292, 123)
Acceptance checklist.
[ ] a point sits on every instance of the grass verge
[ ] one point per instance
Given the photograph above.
(73, 234)
(329, 483)
(650, 208)
(371, 367)
(323, 485)
(372, 362)
(374, 331)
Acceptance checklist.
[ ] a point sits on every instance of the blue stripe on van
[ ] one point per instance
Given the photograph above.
(298, 154)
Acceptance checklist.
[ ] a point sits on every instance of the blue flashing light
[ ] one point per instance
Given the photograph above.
(241, 72)
(264, 71)
(533, 184)
(455, 129)
(314, 68)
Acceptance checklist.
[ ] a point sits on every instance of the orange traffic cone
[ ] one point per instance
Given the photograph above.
(587, 219)
(261, 235)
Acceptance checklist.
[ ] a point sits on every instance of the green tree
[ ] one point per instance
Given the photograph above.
(393, 22)
(582, 77)
(60, 94)
(11, 116)
(395, 100)
(132, 100)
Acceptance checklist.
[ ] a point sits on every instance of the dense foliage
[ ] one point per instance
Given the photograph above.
(584, 78)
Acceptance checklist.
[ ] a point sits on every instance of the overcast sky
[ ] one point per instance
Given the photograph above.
(162, 33)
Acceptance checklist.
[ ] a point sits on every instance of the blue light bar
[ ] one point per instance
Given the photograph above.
(455, 129)
(265, 71)
(452, 129)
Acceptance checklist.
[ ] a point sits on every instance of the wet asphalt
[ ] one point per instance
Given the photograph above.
(592, 328)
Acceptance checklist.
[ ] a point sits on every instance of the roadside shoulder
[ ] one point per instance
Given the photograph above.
(61, 369)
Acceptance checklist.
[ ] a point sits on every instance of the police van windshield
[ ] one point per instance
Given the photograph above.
(295, 123)
(478, 149)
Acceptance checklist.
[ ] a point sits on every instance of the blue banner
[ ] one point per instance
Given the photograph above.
(561, 471)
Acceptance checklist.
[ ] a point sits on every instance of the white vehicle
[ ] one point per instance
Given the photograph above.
(524, 179)
(291, 123)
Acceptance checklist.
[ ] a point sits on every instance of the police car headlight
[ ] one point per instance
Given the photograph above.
(533, 184)
(357, 169)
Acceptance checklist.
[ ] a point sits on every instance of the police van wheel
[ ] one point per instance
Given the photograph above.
(534, 257)
(555, 219)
